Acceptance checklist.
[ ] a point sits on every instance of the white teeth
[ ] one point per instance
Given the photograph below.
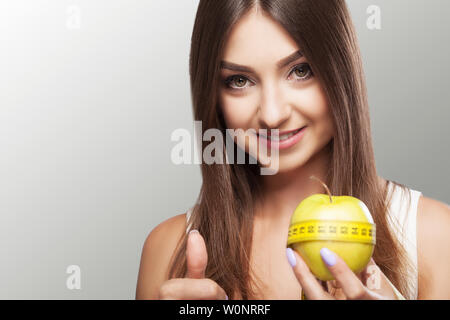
(282, 137)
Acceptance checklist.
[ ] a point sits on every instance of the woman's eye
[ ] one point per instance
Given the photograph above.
(302, 72)
(236, 82)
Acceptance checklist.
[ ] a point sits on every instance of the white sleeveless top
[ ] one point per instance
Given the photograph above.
(403, 221)
(402, 218)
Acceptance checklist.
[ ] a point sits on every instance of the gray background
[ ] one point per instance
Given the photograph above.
(86, 116)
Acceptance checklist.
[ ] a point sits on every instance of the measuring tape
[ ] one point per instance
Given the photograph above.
(338, 230)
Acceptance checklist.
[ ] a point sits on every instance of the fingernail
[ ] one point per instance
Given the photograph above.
(291, 257)
(193, 230)
(328, 256)
(226, 298)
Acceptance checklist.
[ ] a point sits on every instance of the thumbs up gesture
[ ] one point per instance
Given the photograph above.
(194, 286)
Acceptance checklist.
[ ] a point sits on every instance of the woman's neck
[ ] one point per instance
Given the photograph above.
(285, 190)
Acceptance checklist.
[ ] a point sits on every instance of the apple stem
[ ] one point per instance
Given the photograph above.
(324, 185)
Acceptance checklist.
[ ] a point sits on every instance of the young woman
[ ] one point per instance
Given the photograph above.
(288, 65)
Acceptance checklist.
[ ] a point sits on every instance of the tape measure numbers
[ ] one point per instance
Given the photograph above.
(332, 230)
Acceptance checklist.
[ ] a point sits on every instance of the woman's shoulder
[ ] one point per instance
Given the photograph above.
(433, 237)
(432, 210)
(170, 226)
(429, 213)
(433, 217)
(427, 225)
(167, 233)
(433, 220)
(157, 252)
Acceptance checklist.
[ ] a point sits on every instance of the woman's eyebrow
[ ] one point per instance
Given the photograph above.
(280, 64)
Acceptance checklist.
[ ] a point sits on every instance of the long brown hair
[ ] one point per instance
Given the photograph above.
(224, 213)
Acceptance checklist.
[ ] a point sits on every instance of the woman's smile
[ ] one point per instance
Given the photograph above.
(281, 139)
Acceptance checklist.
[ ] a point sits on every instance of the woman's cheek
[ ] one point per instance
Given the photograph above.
(312, 104)
(311, 101)
(238, 112)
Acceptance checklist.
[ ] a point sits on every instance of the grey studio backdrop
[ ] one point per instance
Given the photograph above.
(90, 92)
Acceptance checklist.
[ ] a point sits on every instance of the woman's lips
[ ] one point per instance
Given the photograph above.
(293, 136)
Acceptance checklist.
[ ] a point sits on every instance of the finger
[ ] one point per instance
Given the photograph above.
(312, 288)
(191, 289)
(351, 285)
(196, 256)
(335, 288)
(335, 284)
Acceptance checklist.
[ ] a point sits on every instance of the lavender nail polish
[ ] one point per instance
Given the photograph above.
(291, 257)
(328, 257)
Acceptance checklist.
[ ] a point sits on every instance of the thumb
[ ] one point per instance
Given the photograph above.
(196, 255)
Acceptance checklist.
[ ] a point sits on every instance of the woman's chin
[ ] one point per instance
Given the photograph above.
(281, 164)
(287, 166)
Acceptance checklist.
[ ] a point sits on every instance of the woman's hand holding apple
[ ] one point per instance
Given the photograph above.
(370, 284)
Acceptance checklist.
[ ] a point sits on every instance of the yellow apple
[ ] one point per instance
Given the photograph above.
(343, 224)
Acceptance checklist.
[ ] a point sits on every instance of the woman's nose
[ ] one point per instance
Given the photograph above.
(273, 109)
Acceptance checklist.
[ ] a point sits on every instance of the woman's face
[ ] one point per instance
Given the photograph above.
(265, 93)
